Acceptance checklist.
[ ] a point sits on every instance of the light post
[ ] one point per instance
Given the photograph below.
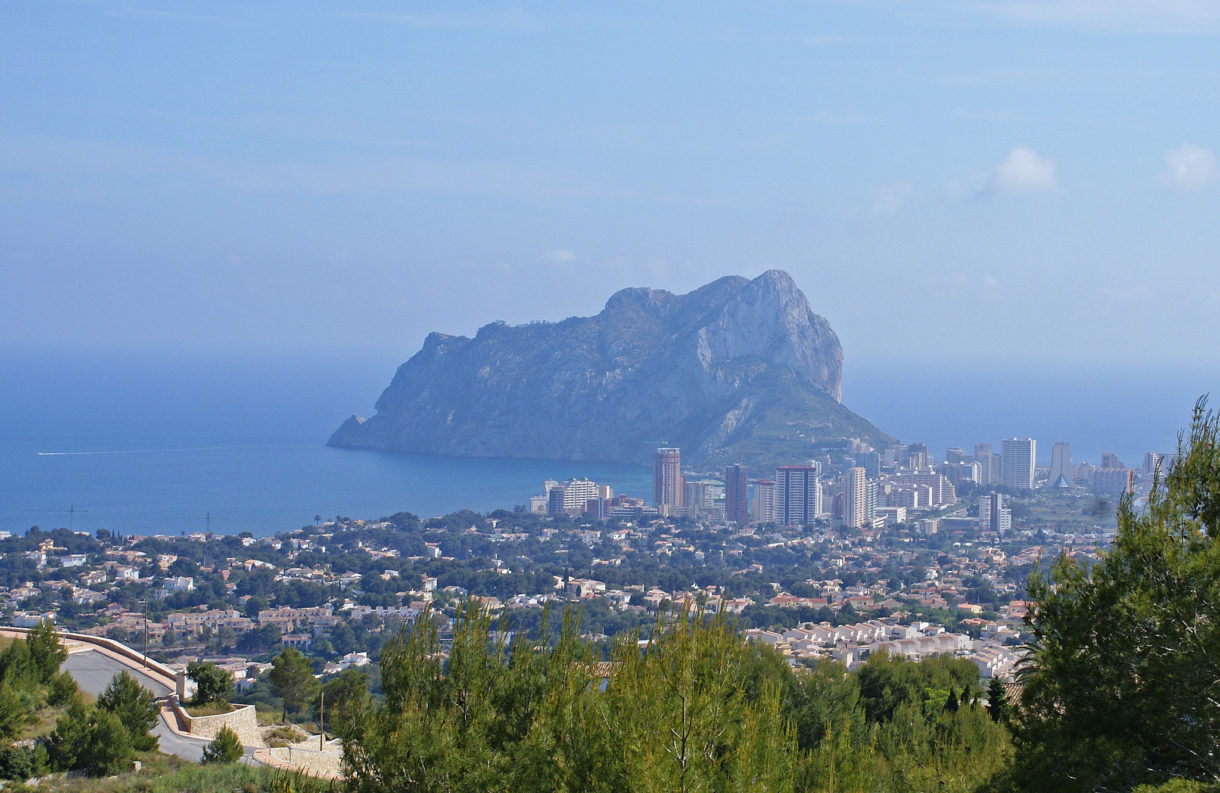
(145, 632)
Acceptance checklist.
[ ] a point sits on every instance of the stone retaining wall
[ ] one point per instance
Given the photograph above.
(241, 720)
(306, 758)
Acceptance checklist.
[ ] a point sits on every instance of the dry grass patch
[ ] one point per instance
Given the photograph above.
(209, 709)
(284, 735)
(163, 774)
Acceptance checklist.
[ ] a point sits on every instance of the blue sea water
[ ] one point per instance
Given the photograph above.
(144, 443)
(153, 444)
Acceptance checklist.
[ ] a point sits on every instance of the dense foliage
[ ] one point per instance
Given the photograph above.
(135, 707)
(1124, 684)
(692, 708)
(291, 678)
(90, 739)
(224, 748)
(212, 684)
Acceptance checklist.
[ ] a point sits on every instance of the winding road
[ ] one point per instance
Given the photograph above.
(93, 670)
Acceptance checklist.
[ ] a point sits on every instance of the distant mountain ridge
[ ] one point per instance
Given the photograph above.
(737, 366)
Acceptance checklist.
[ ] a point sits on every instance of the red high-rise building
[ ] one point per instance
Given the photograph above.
(668, 488)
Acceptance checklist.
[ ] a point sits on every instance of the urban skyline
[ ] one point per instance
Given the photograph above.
(904, 481)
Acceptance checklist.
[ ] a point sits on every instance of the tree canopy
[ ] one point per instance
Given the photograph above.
(1123, 682)
(693, 707)
(212, 684)
(291, 678)
(136, 708)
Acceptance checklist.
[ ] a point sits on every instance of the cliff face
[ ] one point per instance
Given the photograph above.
(736, 365)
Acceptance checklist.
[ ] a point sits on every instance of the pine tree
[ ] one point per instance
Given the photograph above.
(291, 678)
(13, 712)
(997, 700)
(135, 707)
(224, 748)
(212, 684)
(1124, 672)
(951, 703)
(89, 739)
(46, 653)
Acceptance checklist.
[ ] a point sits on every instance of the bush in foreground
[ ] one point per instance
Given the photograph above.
(224, 748)
(1124, 672)
(135, 707)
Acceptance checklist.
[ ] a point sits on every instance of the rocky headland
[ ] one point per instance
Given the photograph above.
(738, 367)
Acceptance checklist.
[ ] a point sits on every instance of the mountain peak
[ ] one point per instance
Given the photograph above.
(711, 370)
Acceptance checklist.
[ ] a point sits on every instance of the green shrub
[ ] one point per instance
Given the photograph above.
(14, 713)
(61, 690)
(225, 748)
(135, 707)
(89, 739)
(22, 762)
(212, 684)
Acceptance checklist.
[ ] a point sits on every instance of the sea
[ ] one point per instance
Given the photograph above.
(173, 442)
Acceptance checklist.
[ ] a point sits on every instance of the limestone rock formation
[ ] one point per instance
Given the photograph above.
(736, 366)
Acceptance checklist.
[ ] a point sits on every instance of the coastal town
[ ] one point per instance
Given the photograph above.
(891, 554)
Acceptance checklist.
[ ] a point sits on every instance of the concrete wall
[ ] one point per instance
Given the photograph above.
(306, 758)
(182, 686)
(241, 720)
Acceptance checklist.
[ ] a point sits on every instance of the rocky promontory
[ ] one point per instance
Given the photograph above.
(735, 367)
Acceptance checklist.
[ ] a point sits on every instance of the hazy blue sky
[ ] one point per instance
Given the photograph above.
(943, 179)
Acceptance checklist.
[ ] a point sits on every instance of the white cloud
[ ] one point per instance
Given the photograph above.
(560, 256)
(1023, 170)
(891, 199)
(1188, 167)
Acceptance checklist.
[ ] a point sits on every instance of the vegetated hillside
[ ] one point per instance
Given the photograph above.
(735, 367)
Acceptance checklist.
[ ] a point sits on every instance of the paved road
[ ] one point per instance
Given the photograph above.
(93, 671)
(188, 748)
(171, 743)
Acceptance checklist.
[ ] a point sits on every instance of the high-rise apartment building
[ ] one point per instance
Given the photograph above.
(1154, 461)
(993, 515)
(736, 495)
(964, 471)
(668, 489)
(763, 506)
(1017, 467)
(798, 495)
(703, 496)
(1061, 464)
(570, 498)
(989, 464)
(855, 498)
